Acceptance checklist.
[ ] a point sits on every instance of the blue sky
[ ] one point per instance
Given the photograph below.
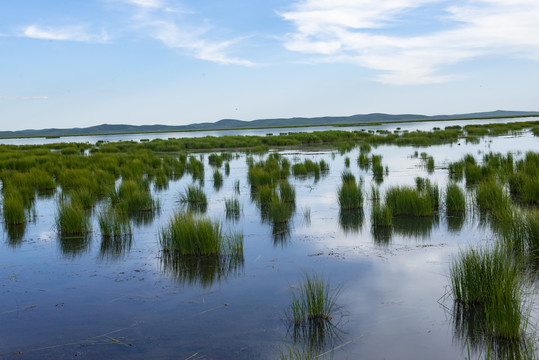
(82, 63)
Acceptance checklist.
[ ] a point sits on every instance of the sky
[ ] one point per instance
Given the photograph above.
(81, 63)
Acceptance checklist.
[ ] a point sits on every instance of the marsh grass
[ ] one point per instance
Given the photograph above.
(13, 208)
(287, 192)
(350, 195)
(492, 279)
(71, 219)
(217, 180)
(232, 208)
(194, 194)
(455, 201)
(491, 196)
(381, 215)
(280, 211)
(188, 235)
(347, 162)
(132, 197)
(408, 201)
(114, 224)
(314, 301)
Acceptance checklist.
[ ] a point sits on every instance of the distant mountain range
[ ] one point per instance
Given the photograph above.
(238, 124)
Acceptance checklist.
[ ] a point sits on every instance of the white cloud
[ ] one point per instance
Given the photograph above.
(174, 28)
(351, 31)
(147, 3)
(72, 33)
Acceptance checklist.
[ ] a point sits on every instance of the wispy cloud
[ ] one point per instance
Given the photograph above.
(70, 33)
(173, 28)
(360, 32)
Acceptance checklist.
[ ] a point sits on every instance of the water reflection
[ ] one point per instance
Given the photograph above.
(414, 227)
(115, 247)
(381, 235)
(201, 270)
(74, 245)
(281, 233)
(455, 221)
(15, 234)
(469, 324)
(143, 218)
(351, 221)
(315, 338)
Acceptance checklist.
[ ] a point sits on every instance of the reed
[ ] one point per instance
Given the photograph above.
(347, 162)
(490, 196)
(188, 235)
(133, 197)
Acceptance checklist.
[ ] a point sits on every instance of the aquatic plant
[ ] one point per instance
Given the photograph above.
(114, 224)
(350, 195)
(133, 197)
(194, 194)
(232, 208)
(454, 198)
(491, 279)
(13, 208)
(287, 192)
(314, 301)
(71, 219)
(381, 215)
(188, 235)
(217, 180)
(408, 201)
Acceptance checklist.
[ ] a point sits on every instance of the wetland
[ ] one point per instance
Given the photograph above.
(369, 242)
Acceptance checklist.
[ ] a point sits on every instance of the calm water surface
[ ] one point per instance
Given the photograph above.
(66, 298)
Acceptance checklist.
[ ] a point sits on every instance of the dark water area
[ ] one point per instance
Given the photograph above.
(86, 297)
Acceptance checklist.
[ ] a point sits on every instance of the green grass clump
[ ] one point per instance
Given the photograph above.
(188, 235)
(313, 302)
(114, 224)
(280, 211)
(217, 180)
(13, 208)
(491, 280)
(350, 195)
(132, 197)
(71, 219)
(381, 215)
(456, 170)
(347, 161)
(287, 192)
(491, 196)
(454, 198)
(409, 201)
(232, 208)
(194, 194)
(363, 161)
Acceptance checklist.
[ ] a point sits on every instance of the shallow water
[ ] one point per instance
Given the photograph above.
(410, 126)
(66, 298)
